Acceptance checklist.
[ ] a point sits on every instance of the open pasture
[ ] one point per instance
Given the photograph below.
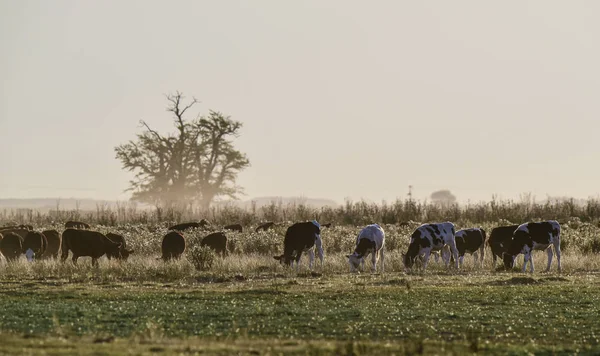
(248, 303)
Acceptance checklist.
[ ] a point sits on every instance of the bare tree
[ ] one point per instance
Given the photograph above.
(195, 164)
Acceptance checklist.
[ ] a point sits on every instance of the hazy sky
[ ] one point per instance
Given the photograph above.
(339, 99)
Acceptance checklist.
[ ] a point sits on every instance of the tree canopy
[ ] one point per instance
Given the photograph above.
(194, 164)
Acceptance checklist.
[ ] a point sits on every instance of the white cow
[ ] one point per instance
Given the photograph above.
(429, 238)
(370, 240)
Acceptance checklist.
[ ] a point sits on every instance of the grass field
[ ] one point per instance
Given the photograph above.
(248, 303)
(272, 312)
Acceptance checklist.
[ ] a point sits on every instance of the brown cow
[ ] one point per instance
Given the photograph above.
(76, 225)
(266, 226)
(123, 253)
(21, 232)
(216, 241)
(87, 243)
(191, 225)
(173, 245)
(11, 246)
(34, 245)
(54, 239)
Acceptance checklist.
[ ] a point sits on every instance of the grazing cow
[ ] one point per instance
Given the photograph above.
(216, 241)
(87, 243)
(299, 238)
(76, 225)
(34, 245)
(21, 232)
(234, 227)
(431, 237)
(370, 240)
(500, 238)
(173, 245)
(53, 238)
(123, 252)
(266, 226)
(190, 225)
(11, 246)
(468, 241)
(534, 236)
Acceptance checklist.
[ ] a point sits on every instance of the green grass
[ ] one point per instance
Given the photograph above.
(433, 313)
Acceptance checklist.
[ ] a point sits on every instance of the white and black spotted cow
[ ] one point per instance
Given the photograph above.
(299, 238)
(429, 238)
(370, 240)
(534, 236)
(468, 241)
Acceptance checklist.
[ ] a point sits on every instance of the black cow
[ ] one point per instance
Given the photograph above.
(299, 238)
(87, 243)
(190, 225)
(34, 245)
(534, 236)
(173, 245)
(54, 239)
(216, 241)
(123, 252)
(234, 227)
(11, 246)
(265, 226)
(500, 238)
(469, 241)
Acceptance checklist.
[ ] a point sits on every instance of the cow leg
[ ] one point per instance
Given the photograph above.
(64, 256)
(374, 261)
(319, 247)
(475, 255)
(494, 257)
(94, 262)
(557, 250)
(461, 260)
(298, 261)
(454, 253)
(74, 259)
(426, 259)
(382, 257)
(550, 253)
(482, 254)
(311, 258)
(362, 263)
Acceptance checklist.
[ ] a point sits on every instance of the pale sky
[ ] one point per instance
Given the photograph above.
(339, 99)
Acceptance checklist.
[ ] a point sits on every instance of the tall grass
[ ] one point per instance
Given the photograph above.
(350, 213)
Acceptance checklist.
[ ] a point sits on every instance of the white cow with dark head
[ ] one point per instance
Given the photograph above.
(429, 238)
(370, 240)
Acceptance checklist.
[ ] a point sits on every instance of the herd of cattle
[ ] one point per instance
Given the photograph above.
(505, 242)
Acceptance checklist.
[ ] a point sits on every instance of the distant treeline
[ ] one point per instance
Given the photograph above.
(351, 213)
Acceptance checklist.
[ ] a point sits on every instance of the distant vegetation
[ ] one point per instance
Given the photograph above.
(350, 213)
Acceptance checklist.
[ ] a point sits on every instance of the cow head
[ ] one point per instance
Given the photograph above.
(114, 248)
(285, 260)
(125, 253)
(509, 260)
(354, 261)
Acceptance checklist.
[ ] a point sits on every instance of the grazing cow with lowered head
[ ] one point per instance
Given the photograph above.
(299, 238)
(34, 245)
(234, 227)
(500, 238)
(265, 226)
(428, 238)
(54, 239)
(370, 240)
(123, 253)
(76, 225)
(173, 245)
(191, 225)
(11, 246)
(534, 236)
(468, 241)
(87, 243)
(216, 241)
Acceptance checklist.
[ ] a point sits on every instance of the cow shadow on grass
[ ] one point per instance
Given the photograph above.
(526, 281)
